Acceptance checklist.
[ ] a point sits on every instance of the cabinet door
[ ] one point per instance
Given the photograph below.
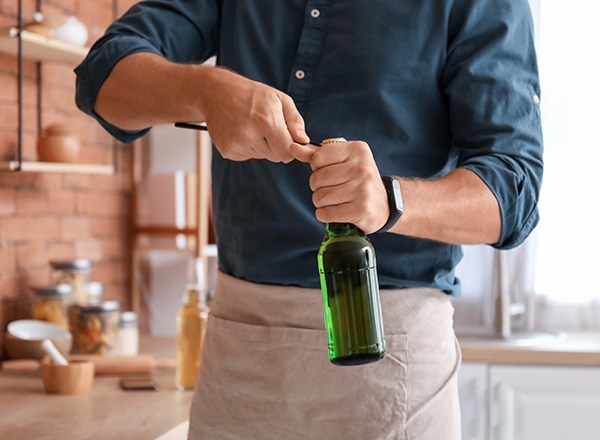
(472, 393)
(549, 403)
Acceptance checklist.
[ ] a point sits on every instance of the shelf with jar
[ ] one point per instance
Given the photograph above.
(48, 39)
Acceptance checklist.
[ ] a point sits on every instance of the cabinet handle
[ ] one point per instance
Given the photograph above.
(504, 410)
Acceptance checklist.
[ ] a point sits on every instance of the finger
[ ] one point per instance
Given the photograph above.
(331, 175)
(293, 120)
(342, 213)
(265, 150)
(334, 195)
(330, 154)
(303, 153)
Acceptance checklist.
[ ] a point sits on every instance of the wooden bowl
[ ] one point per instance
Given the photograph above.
(75, 378)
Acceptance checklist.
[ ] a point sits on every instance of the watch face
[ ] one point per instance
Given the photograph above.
(398, 196)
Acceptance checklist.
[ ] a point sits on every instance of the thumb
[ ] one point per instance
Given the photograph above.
(303, 153)
(294, 121)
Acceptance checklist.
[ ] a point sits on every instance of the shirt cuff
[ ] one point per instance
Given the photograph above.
(516, 197)
(94, 70)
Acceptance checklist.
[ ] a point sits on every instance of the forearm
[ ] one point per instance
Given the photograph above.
(145, 89)
(458, 208)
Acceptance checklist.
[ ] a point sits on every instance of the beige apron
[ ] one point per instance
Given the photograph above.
(265, 372)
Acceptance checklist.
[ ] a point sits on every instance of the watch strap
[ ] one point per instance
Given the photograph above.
(395, 202)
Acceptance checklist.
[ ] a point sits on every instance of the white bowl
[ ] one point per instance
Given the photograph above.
(36, 330)
(24, 339)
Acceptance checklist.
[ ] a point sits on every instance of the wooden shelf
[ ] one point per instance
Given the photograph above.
(39, 48)
(55, 167)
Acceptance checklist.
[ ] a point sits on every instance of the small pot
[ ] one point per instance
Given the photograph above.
(58, 144)
(75, 378)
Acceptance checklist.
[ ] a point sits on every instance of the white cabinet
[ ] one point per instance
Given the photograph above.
(473, 396)
(502, 402)
(549, 403)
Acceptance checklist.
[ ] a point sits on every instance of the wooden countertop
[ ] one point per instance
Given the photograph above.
(106, 412)
(570, 349)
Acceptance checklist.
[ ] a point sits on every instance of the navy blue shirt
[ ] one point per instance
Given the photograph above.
(431, 85)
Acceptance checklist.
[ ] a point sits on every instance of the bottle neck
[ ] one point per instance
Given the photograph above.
(193, 297)
(342, 229)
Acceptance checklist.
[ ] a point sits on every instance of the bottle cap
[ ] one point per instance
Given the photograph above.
(333, 140)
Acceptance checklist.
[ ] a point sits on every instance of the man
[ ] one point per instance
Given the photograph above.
(440, 94)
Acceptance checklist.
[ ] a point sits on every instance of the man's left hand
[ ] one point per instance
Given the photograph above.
(346, 184)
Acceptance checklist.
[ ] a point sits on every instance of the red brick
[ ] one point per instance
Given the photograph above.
(90, 248)
(8, 144)
(30, 89)
(62, 202)
(7, 202)
(7, 261)
(93, 14)
(48, 181)
(8, 65)
(76, 181)
(114, 248)
(60, 250)
(75, 228)
(13, 286)
(58, 98)
(17, 180)
(32, 202)
(31, 254)
(109, 228)
(56, 74)
(8, 91)
(99, 204)
(26, 228)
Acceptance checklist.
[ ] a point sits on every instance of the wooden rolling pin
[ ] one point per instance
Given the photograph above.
(104, 365)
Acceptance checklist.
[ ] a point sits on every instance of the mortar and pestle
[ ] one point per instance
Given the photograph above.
(63, 377)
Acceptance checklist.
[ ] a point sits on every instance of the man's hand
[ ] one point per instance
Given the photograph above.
(346, 184)
(250, 120)
(246, 119)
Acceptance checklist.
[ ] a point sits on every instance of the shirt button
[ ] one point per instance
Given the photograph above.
(300, 74)
(315, 13)
(536, 99)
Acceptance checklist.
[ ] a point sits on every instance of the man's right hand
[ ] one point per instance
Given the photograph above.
(246, 119)
(249, 120)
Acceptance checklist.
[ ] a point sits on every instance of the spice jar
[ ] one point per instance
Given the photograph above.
(51, 302)
(128, 336)
(74, 272)
(94, 327)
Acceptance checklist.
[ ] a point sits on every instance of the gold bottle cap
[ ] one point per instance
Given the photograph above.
(333, 140)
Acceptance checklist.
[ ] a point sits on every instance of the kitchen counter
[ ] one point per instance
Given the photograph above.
(106, 412)
(568, 349)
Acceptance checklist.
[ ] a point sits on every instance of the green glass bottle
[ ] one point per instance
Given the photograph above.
(348, 274)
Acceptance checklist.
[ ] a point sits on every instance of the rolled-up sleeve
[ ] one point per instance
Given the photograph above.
(491, 83)
(180, 30)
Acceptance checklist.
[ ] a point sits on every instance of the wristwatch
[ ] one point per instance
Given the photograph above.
(395, 201)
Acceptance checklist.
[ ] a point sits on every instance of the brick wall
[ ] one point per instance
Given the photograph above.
(58, 216)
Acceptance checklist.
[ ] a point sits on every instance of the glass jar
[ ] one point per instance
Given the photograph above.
(74, 272)
(94, 327)
(95, 291)
(51, 302)
(128, 334)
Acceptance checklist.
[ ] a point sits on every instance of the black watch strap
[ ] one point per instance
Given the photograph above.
(395, 201)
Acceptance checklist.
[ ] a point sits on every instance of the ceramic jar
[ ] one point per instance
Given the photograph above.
(58, 143)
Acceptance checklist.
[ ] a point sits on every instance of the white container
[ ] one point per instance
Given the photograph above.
(128, 334)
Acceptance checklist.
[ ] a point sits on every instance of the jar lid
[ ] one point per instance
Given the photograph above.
(54, 291)
(99, 307)
(95, 291)
(127, 319)
(78, 264)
